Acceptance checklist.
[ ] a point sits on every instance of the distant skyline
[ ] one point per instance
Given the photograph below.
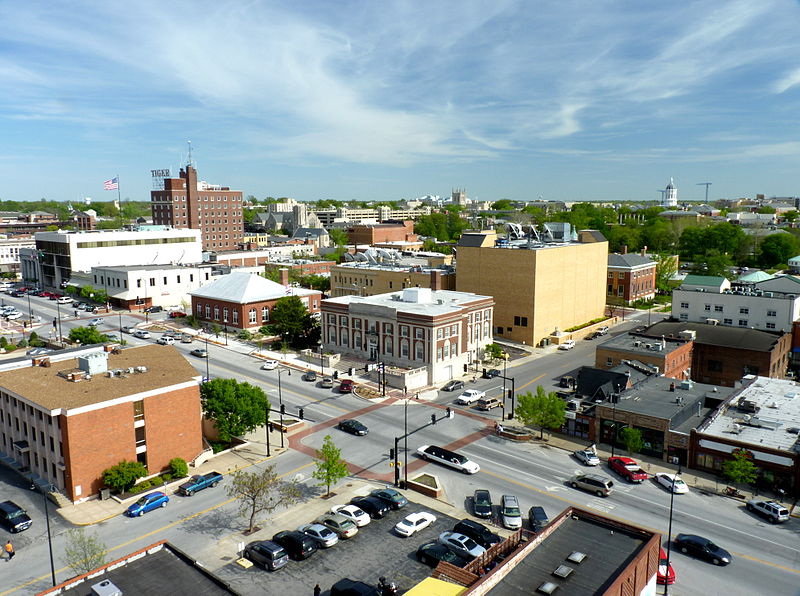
(570, 100)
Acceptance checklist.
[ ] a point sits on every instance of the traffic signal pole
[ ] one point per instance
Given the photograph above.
(395, 455)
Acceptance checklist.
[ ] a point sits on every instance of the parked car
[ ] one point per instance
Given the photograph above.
(491, 373)
(353, 513)
(95, 322)
(672, 482)
(187, 338)
(141, 334)
(703, 548)
(14, 315)
(165, 340)
(127, 329)
(310, 375)
(567, 345)
(297, 545)
(336, 522)
(346, 386)
(176, 314)
(432, 552)
(482, 503)
(376, 508)
(147, 503)
(199, 482)
(587, 457)
(602, 330)
(326, 383)
(352, 426)
(593, 483)
(510, 514)
(488, 403)
(325, 537)
(453, 385)
(39, 351)
(448, 458)
(199, 352)
(537, 518)
(628, 469)
(477, 531)
(90, 308)
(64, 300)
(470, 396)
(352, 587)
(773, 511)
(393, 498)
(154, 309)
(267, 553)
(414, 522)
(665, 573)
(462, 545)
(13, 517)
(270, 365)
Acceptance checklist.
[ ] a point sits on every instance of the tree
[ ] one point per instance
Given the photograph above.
(83, 552)
(777, 249)
(290, 319)
(261, 492)
(666, 267)
(338, 236)
(502, 205)
(124, 475)
(178, 467)
(545, 410)
(236, 408)
(330, 466)
(632, 439)
(740, 469)
(87, 335)
(495, 351)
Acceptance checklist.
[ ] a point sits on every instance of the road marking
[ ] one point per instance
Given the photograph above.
(166, 527)
(529, 382)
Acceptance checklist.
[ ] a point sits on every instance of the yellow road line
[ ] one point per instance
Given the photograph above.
(531, 381)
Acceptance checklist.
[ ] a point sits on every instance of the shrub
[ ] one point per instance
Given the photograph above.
(245, 335)
(178, 467)
(10, 348)
(135, 490)
(167, 477)
(217, 446)
(22, 344)
(124, 475)
(3, 342)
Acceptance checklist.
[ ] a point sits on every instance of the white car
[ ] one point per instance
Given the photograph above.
(270, 365)
(587, 457)
(165, 340)
(141, 334)
(470, 396)
(95, 322)
(13, 315)
(666, 480)
(567, 345)
(353, 513)
(414, 522)
(64, 300)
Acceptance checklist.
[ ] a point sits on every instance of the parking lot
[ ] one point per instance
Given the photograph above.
(374, 552)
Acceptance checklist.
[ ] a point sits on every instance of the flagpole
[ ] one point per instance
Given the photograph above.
(119, 197)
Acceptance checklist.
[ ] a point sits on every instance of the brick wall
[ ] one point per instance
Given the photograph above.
(173, 427)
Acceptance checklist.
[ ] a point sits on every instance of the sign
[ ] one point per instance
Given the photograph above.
(158, 178)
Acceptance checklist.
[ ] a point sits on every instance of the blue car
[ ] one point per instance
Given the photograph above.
(147, 503)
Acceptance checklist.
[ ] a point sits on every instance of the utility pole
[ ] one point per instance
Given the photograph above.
(706, 184)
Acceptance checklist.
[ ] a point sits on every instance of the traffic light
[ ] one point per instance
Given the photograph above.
(336, 374)
(450, 413)
(300, 412)
(270, 427)
(466, 369)
(391, 453)
(352, 371)
(283, 408)
(433, 418)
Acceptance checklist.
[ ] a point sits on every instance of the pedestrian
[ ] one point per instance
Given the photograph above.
(317, 590)
(10, 550)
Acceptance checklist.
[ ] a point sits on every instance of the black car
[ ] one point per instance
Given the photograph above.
(392, 498)
(482, 503)
(299, 546)
(537, 517)
(373, 506)
(154, 309)
(14, 517)
(491, 373)
(431, 553)
(351, 587)
(354, 427)
(453, 386)
(703, 548)
(478, 532)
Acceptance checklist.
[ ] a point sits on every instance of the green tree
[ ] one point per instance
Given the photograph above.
(291, 320)
(87, 335)
(545, 410)
(502, 205)
(330, 466)
(666, 267)
(178, 467)
(338, 236)
(740, 469)
(624, 236)
(495, 351)
(261, 492)
(236, 408)
(632, 439)
(124, 475)
(777, 249)
(83, 552)
(766, 209)
(791, 216)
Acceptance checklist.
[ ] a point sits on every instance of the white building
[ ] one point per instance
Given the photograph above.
(140, 286)
(670, 195)
(772, 304)
(9, 252)
(433, 334)
(59, 254)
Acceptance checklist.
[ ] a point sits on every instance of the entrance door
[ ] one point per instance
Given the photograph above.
(373, 349)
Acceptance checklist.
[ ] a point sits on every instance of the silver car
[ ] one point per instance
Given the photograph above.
(325, 537)
(587, 457)
(461, 544)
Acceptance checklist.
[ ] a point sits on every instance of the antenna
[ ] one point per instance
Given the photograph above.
(189, 160)
(706, 184)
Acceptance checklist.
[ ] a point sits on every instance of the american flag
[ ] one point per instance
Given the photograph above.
(112, 184)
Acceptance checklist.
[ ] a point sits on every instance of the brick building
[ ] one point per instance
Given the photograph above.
(671, 357)
(214, 210)
(631, 277)
(371, 234)
(245, 300)
(78, 412)
(301, 266)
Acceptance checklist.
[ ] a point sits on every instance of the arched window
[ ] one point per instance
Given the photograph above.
(404, 348)
(253, 315)
(216, 313)
(264, 314)
(332, 335)
(225, 315)
(235, 317)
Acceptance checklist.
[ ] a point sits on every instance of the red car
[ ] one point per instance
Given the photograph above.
(666, 574)
(346, 386)
(176, 313)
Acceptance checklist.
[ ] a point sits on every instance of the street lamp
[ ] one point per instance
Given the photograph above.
(280, 395)
(321, 362)
(208, 375)
(225, 331)
(58, 310)
(669, 530)
(613, 423)
(49, 535)
(120, 327)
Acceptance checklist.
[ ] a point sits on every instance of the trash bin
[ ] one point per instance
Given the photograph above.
(105, 494)
(545, 342)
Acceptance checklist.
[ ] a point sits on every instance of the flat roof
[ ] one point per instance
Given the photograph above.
(642, 344)
(152, 267)
(609, 548)
(757, 340)
(652, 397)
(441, 302)
(44, 386)
(778, 403)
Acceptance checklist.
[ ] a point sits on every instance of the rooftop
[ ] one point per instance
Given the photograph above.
(245, 288)
(165, 367)
(629, 260)
(755, 340)
(773, 408)
(420, 301)
(643, 344)
(704, 280)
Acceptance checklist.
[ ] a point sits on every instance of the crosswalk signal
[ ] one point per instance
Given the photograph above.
(270, 427)
(450, 413)
(301, 414)
(466, 369)
(433, 418)
(283, 408)
(391, 454)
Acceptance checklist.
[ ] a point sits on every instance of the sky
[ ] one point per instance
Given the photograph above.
(570, 100)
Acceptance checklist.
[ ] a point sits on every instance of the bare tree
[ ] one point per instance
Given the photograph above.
(83, 552)
(261, 492)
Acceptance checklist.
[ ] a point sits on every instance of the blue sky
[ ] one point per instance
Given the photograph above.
(567, 100)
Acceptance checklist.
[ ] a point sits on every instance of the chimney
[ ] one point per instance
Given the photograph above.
(436, 280)
(625, 249)
(284, 273)
(644, 251)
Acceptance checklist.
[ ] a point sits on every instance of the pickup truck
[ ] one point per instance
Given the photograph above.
(470, 396)
(199, 482)
(627, 468)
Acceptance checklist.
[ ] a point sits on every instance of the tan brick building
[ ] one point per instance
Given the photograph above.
(76, 413)
(370, 279)
(539, 287)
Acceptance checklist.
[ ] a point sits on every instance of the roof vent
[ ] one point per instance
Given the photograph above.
(563, 571)
(106, 588)
(576, 557)
(547, 588)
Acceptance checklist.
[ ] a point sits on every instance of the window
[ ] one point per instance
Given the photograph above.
(235, 317)
(208, 311)
(356, 323)
(439, 333)
(717, 308)
(772, 313)
(216, 313)
(610, 275)
(770, 325)
(684, 305)
(252, 316)
(610, 290)
(520, 321)
(707, 308)
(742, 322)
(138, 410)
(715, 366)
(727, 321)
(684, 316)
(419, 333)
(199, 310)
(225, 315)
(438, 354)
(403, 330)
(264, 314)
(609, 362)
(152, 281)
(744, 311)
(331, 319)
(620, 291)
(343, 321)
(404, 348)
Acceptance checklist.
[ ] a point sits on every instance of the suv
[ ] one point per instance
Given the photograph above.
(478, 532)
(510, 514)
(537, 517)
(267, 553)
(774, 512)
(487, 403)
(593, 483)
(14, 517)
(298, 545)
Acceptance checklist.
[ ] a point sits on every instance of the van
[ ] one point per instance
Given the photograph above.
(592, 483)
(487, 403)
(510, 514)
